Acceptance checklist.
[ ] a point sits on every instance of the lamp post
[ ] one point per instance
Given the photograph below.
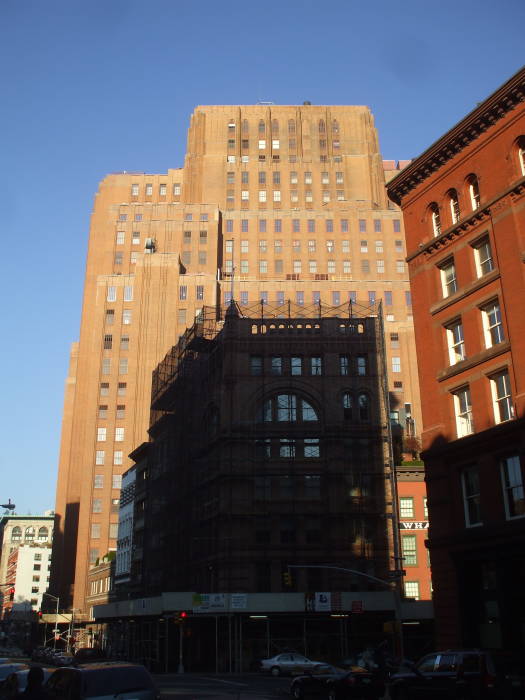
(55, 630)
(388, 584)
(8, 505)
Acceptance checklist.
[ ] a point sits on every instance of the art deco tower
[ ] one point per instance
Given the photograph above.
(292, 200)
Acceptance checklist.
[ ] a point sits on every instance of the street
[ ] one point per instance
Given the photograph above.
(246, 685)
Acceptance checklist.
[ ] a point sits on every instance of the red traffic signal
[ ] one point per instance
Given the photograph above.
(180, 617)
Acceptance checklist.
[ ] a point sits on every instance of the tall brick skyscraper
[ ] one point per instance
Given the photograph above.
(292, 199)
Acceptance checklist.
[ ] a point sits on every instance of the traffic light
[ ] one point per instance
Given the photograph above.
(40, 613)
(11, 592)
(180, 617)
(287, 578)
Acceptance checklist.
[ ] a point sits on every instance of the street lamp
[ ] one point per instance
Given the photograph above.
(55, 630)
(8, 505)
(388, 584)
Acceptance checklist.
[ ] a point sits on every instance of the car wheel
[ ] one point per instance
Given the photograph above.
(275, 671)
(297, 692)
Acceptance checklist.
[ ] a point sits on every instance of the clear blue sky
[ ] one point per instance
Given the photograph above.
(94, 86)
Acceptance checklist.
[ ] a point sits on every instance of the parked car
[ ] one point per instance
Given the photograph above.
(289, 663)
(21, 677)
(90, 654)
(102, 681)
(7, 669)
(467, 673)
(336, 683)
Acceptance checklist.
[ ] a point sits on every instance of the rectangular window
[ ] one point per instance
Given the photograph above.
(113, 533)
(176, 189)
(118, 456)
(471, 496)
(408, 298)
(299, 298)
(296, 225)
(123, 365)
(296, 365)
(116, 481)
(245, 177)
(263, 267)
(262, 225)
(379, 246)
(120, 412)
(394, 340)
(120, 237)
(99, 457)
(104, 387)
(119, 434)
(280, 298)
(121, 389)
(297, 266)
(371, 298)
(406, 507)
(380, 267)
(202, 257)
(278, 246)
(135, 238)
(98, 482)
(203, 237)
(183, 292)
(455, 342)
(347, 267)
(278, 266)
(361, 365)
(396, 365)
(483, 257)
(134, 190)
(162, 190)
(412, 589)
(228, 247)
(256, 365)
(448, 278)
(344, 225)
(244, 225)
(133, 257)
(244, 298)
(311, 451)
(397, 225)
(463, 412)
(97, 505)
(362, 225)
(312, 266)
(501, 397)
(181, 317)
(112, 294)
(244, 267)
(245, 195)
(365, 266)
(512, 483)
(311, 225)
(492, 325)
(128, 293)
(276, 366)
(400, 266)
(149, 189)
(262, 144)
(126, 317)
(106, 365)
(388, 298)
(229, 225)
(95, 527)
(364, 247)
(336, 298)
(329, 225)
(108, 341)
(377, 225)
(330, 246)
(409, 550)
(277, 195)
(316, 297)
(199, 292)
(122, 217)
(316, 367)
(344, 365)
(103, 411)
(398, 246)
(110, 317)
(138, 217)
(277, 225)
(101, 434)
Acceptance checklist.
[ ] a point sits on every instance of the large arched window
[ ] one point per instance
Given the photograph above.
(43, 534)
(275, 126)
(262, 126)
(287, 408)
(473, 191)
(245, 126)
(322, 126)
(453, 202)
(30, 533)
(435, 218)
(364, 407)
(16, 534)
(291, 126)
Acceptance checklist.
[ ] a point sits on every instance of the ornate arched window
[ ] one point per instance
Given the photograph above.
(453, 202)
(363, 403)
(30, 533)
(435, 218)
(347, 405)
(473, 191)
(287, 408)
(16, 534)
(521, 154)
(43, 534)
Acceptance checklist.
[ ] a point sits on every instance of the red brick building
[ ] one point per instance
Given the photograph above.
(463, 202)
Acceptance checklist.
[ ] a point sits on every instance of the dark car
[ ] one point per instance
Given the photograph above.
(338, 684)
(87, 654)
(9, 668)
(102, 681)
(471, 674)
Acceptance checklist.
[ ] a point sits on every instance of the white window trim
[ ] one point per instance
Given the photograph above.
(443, 274)
(506, 489)
(465, 502)
(487, 327)
(496, 400)
(454, 345)
(463, 418)
(477, 257)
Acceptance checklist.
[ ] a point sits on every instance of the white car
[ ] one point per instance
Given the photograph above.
(290, 663)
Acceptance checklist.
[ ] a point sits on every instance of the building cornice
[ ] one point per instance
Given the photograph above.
(485, 115)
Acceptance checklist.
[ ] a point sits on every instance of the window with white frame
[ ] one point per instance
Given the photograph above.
(277, 195)
(471, 496)
(128, 293)
(119, 434)
(492, 325)
(473, 190)
(400, 266)
(99, 457)
(512, 483)
(409, 550)
(435, 217)
(453, 201)
(412, 589)
(134, 190)
(112, 294)
(463, 412)
(501, 396)
(406, 507)
(455, 342)
(121, 235)
(396, 365)
(118, 457)
(262, 195)
(101, 434)
(245, 195)
(483, 257)
(521, 155)
(448, 278)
